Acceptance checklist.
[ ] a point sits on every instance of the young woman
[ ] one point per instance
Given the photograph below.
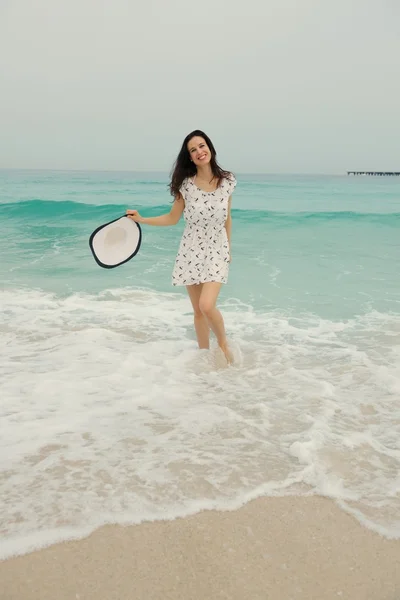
(202, 193)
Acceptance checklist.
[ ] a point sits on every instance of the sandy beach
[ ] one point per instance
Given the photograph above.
(273, 548)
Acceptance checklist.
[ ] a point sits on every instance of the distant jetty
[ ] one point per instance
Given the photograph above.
(376, 173)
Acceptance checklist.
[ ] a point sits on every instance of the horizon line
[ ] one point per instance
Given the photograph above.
(164, 172)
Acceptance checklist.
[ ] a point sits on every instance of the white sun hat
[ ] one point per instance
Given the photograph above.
(116, 242)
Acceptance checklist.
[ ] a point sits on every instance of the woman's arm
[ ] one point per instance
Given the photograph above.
(228, 226)
(165, 220)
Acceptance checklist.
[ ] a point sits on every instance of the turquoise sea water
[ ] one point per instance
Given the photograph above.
(110, 412)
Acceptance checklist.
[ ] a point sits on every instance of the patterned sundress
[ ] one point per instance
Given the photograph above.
(203, 253)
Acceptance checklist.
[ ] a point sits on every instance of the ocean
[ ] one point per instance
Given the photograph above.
(110, 413)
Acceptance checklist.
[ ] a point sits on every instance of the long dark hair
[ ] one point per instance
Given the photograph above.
(184, 167)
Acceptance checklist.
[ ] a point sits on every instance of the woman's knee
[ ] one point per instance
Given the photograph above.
(206, 306)
(194, 292)
(197, 312)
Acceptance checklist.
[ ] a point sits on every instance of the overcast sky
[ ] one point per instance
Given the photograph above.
(300, 86)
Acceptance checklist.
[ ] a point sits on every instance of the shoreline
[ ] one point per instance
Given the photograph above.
(272, 547)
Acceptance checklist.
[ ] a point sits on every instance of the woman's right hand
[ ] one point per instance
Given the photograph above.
(134, 215)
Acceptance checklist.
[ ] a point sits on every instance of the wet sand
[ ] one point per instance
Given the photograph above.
(271, 549)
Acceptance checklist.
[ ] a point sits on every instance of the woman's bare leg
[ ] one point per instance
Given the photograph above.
(200, 321)
(207, 304)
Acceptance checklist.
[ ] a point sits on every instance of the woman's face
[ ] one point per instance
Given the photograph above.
(199, 152)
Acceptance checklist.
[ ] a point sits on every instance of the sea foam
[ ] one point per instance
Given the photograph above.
(110, 413)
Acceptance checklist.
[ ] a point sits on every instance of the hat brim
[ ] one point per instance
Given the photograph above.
(116, 242)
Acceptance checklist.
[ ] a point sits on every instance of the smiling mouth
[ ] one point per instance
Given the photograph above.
(202, 156)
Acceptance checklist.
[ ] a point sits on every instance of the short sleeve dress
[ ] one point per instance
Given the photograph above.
(203, 253)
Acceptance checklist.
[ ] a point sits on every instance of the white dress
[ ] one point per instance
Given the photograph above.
(203, 253)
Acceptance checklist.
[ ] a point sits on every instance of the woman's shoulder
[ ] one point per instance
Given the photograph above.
(186, 182)
(229, 181)
(186, 188)
(229, 176)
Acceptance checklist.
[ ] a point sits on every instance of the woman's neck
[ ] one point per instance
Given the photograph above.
(204, 173)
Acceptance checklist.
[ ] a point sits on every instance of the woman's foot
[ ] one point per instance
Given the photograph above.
(227, 352)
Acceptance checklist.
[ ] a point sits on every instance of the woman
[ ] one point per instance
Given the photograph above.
(202, 193)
